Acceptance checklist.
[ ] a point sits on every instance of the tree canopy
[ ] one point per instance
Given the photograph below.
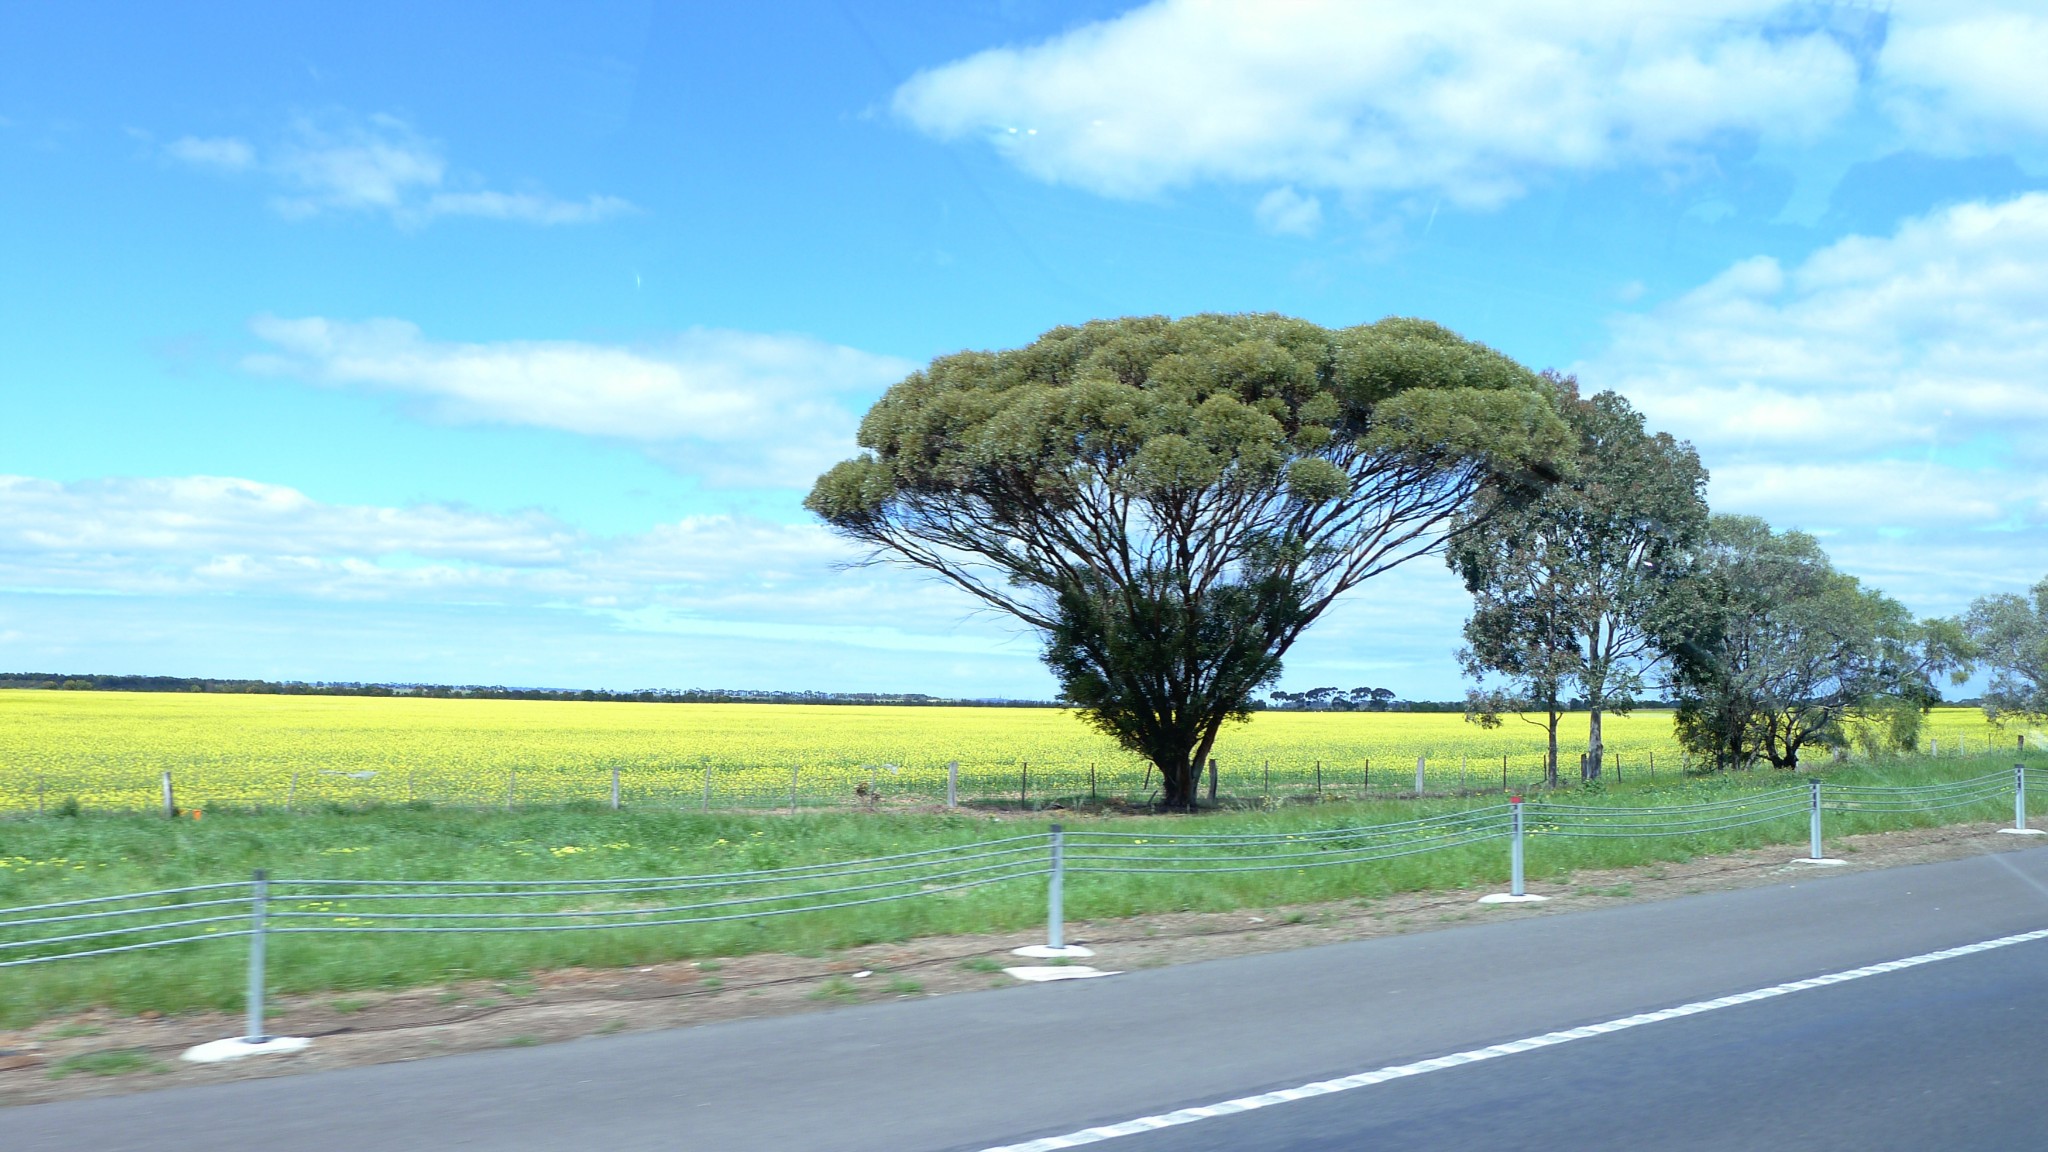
(1775, 649)
(1567, 583)
(2008, 637)
(1172, 502)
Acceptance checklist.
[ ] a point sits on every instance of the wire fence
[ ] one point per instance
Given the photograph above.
(263, 907)
(710, 786)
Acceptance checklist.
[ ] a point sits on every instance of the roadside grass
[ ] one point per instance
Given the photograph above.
(53, 858)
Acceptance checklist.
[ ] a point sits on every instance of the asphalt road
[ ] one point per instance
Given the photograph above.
(1945, 1056)
(972, 1071)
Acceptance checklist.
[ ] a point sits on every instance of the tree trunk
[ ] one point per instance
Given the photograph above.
(1179, 781)
(1550, 758)
(1594, 748)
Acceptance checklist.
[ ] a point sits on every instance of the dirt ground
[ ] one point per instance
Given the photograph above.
(100, 1053)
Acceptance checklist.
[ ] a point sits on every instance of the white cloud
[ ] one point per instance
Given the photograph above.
(1289, 213)
(1962, 76)
(199, 538)
(381, 164)
(1477, 100)
(1887, 391)
(739, 408)
(226, 153)
(1466, 100)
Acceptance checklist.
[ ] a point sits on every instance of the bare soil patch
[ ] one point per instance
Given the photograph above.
(100, 1053)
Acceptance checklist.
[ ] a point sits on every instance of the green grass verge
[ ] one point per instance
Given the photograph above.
(59, 858)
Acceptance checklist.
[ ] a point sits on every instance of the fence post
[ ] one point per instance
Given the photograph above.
(291, 792)
(2019, 804)
(1515, 894)
(1420, 763)
(1319, 775)
(1055, 894)
(1515, 858)
(1503, 772)
(706, 807)
(255, 1040)
(1091, 781)
(1055, 904)
(1813, 823)
(793, 770)
(952, 784)
(511, 787)
(1024, 785)
(1212, 780)
(259, 934)
(615, 787)
(170, 807)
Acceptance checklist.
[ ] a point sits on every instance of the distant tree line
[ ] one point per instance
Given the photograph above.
(100, 683)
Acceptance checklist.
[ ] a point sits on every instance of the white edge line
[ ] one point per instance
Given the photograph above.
(1495, 1051)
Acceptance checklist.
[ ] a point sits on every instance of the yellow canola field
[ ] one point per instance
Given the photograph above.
(108, 751)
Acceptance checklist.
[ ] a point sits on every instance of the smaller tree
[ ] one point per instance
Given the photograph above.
(1565, 583)
(1776, 650)
(2007, 635)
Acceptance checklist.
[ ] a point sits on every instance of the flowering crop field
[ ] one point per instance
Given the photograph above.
(108, 750)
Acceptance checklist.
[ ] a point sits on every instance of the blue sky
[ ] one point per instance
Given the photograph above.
(498, 343)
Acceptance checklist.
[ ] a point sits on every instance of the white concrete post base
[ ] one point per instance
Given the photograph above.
(2021, 832)
(1048, 952)
(235, 1047)
(1826, 862)
(1511, 898)
(1047, 975)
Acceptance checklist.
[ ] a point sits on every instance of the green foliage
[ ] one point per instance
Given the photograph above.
(1777, 650)
(1568, 581)
(2008, 636)
(1126, 486)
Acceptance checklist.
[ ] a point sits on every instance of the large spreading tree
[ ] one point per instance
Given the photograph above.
(1170, 503)
(1567, 584)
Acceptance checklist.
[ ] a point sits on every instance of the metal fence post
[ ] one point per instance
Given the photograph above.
(1055, 912)
(1516, 893)
(259, 905)
(1515, 847)
(1814, 822)
(2019, 805)
(1813, 808)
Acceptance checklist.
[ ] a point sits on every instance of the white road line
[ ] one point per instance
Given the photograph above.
(1495, 1051)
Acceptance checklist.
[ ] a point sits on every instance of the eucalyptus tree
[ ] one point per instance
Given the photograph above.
(2008, 636)
(1774, 649)
(1170, 503)
(1567, 584)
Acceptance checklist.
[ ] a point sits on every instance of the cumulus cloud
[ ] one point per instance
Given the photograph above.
(1464, 100)
(380, 164)
(1886, 388)
(740, 409)
(1473, 102)
(213, 536)
(1961, 76)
